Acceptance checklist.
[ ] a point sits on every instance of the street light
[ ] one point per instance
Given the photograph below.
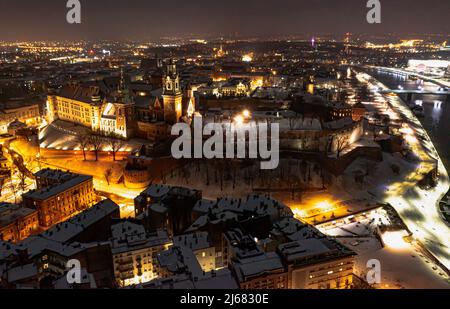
(239, 120)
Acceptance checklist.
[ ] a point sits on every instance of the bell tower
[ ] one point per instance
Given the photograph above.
(172, 95)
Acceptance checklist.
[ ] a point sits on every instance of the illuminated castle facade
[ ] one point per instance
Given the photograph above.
(110, 109)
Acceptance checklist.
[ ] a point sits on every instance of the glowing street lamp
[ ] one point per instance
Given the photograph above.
(247, 58)
(239, 120)
(395, 239)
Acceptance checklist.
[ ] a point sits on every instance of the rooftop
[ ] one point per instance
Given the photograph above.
(180, 260)
(193, 241)
(314, 250)
(221, 279)
(67, 230)
(128, 236)
(257, 265)
(9, 213)
(55, 175)
(53, 190)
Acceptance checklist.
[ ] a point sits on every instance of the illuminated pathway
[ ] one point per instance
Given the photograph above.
(122, 196)
(418, 208)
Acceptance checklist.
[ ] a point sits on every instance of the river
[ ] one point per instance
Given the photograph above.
(437, 110)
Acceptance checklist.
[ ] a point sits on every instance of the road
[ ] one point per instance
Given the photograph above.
(419, 208)
(123, 196)
(439, 82)
(13, 188)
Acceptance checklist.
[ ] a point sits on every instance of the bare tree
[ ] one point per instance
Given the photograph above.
(22, 178)
(2, 184)
(96, 141)
(115, 143)
(342, 142)
(13, 187)
(108, 174)
(84, 141)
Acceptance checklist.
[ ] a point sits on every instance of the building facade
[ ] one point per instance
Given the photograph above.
(172, 95)
(25, 113)
(117, 111)
(67, 195)
(16, 222)
(316, 264)
(134, 253)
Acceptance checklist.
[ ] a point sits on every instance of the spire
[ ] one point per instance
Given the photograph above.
(123, 92)
(122, 80)
(171, 68)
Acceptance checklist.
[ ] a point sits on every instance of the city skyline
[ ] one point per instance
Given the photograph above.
(237, 146)
(144, 21)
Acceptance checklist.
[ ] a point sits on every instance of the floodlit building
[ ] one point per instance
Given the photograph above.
(134, 253)
(60, 195)
(20, 111)
(39, 260)
(317, 264)
(115, 109)
(96, 106)
(254, 268)
(16, 222)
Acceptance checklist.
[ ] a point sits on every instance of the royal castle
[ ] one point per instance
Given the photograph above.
(110, 108)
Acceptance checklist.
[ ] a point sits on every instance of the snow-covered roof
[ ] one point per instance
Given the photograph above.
(302, 249)
(56, 189)
(257, 265)
(221, 279)
(225, 209)
(157, 190)
(128, 236)
(67, 230)
(9, 213)
(22, 272)
(193, 241)
(180, 260)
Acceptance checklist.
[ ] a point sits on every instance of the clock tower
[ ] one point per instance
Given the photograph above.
(172, 95)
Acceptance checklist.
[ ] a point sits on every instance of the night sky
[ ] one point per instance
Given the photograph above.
(153, 19)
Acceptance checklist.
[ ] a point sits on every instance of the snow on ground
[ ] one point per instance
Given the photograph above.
(62, 135)
(400, 268)
(351, 229)
(234, 179)
(417, 208)
(404, 263)
(380, 175)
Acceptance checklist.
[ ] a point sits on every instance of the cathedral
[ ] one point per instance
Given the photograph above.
(172, 95)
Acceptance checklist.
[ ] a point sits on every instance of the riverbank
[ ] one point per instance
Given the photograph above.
(418, 208)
